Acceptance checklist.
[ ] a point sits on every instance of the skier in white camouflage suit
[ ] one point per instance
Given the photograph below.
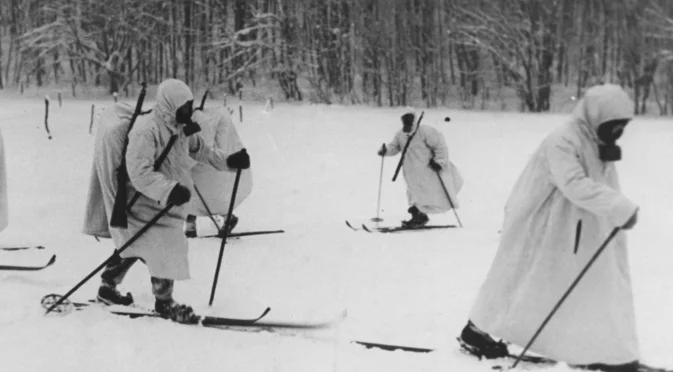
(215, 186)
(426, 157)
(571, 177)
(163, 247)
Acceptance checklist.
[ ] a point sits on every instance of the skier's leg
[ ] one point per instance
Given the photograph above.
(162, 289)
(113, 275)
(190, 229)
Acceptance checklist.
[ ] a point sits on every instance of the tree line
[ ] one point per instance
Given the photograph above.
(381, 52)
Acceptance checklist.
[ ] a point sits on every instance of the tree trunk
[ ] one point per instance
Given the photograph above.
(2, 85)
(174, 38)
(188, 41)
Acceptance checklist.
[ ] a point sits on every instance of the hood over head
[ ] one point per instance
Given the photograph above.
(601, 104)
(409, 119)
(171, 94)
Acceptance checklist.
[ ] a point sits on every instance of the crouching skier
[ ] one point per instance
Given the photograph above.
(571, 177)
(163, 248)
(426, 157)
(215, 186)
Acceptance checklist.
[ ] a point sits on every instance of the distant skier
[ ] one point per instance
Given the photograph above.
(426, 157)
(218, 131)
(571, 177)
(4, 206)
(163, 247)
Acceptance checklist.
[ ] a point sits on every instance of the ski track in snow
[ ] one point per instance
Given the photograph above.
(313, 167)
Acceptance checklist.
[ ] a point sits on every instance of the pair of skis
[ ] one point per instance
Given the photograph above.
(245, 233)
(67, 307)
(5, 267)
(376, 227)
(241, 324)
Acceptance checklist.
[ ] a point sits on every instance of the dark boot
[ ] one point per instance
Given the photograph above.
(232, 223)
(109, 295)
(169, 309)
(418, 218)
(481, 344)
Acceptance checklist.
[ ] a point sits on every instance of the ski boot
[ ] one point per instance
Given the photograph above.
(418, 218)
(169, 309)
(480, 344)
(190, 226)
(109, 295)
(232, 223)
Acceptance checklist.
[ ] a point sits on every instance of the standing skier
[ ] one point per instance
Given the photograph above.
(426, 157)
(218, 131)
(571, 177)
(163, 248)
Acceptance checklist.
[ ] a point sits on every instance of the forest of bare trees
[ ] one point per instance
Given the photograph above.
(381, 52)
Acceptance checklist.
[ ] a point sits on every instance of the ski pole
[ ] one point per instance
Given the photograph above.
(449, 197)
(378, 204)
(578, 233)
(117, 252)
(203, 100)
(565, 295)
(210, 214)
(225, 235)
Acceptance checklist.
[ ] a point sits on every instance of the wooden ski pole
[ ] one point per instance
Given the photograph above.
(210, 214)
(449, 197)
(225, 235)
(378, 204)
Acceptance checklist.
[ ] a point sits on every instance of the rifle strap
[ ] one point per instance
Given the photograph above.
(164, 153)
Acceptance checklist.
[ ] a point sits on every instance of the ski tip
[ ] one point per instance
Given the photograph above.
(52, 260)
(364, 227)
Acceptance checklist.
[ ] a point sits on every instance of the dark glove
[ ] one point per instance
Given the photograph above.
(435, 166)
(190, 128)
(383, 150)
(179, 195)
(631, 222)
(239, 160)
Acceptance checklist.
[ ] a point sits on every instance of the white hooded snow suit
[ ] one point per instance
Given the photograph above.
(564, 182)
(424, 190)
(163, 247)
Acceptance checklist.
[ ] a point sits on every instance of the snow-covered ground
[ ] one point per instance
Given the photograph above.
(313, 168)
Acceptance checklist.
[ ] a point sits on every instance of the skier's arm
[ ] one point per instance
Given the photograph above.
(436, 142)
(140, 164)
(569, 177)
(394, 147)
(206, 154)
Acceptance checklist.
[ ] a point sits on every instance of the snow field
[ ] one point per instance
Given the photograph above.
(313, 167)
